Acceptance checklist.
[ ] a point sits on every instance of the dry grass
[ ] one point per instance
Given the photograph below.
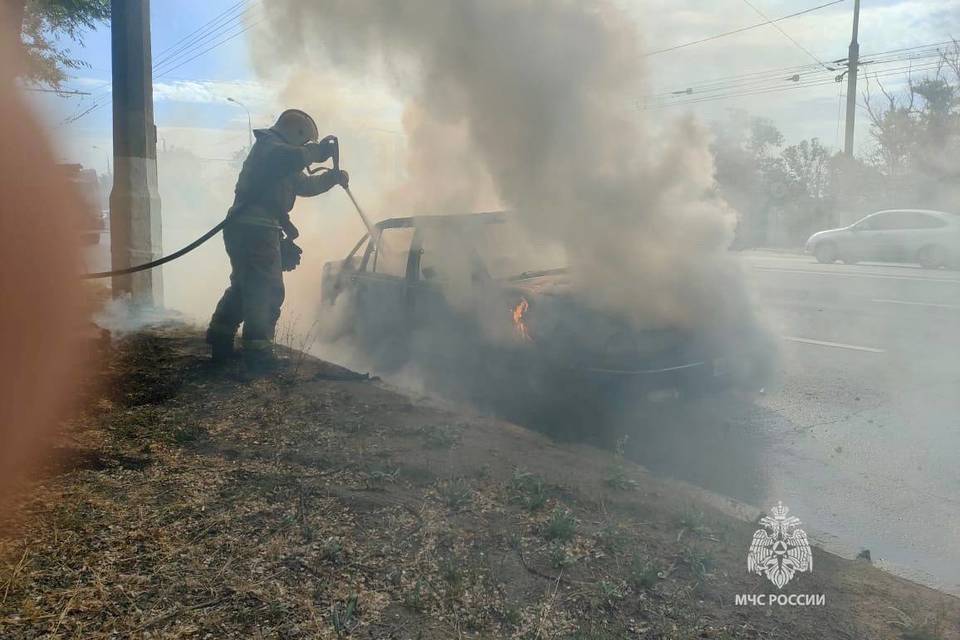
(191, 505)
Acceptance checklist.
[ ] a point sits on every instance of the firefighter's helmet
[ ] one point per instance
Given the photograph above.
(296, 127)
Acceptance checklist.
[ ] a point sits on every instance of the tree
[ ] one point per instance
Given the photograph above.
(743, 149)
(806, 168)
(43, 23)
(917, 136)
(764, 136)
(804, 184)
(781, 194)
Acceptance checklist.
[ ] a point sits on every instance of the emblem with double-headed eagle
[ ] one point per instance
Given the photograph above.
(780, 549)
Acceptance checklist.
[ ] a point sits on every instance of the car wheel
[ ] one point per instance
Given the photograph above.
(933, 257)
(826, 253)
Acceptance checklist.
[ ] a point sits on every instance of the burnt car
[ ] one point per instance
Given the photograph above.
(482, 320)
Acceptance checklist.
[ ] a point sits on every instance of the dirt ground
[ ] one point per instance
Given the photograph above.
(184, 502)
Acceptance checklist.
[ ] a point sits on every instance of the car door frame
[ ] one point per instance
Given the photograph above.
(870, 243)
(366, 275)
(921, 235)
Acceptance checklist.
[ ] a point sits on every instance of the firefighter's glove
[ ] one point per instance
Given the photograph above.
(343, 179)
(289, 254)
(319, 151)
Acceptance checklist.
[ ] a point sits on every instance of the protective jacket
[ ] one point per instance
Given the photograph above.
(271, 179)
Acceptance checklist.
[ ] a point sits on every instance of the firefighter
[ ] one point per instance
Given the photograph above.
(258, 224)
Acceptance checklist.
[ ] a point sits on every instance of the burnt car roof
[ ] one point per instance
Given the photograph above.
(487, 217)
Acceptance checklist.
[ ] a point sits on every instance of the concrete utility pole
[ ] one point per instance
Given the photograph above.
(134, 200)
(853, 66)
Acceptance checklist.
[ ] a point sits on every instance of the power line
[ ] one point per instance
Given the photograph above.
(932, 47)
(839, 112)
(813, 82)
(99, 99)
(211, 48)
(169, 50)
(169, 53)
(787, 35)
(768, 90)
(775, 78)
(922, 46)
(202, 39)
(758, 76)
(179, 54)
(81, 114)
(59, 92)
(741, 30)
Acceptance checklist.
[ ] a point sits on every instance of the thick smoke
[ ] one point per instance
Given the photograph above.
(542, 95)
(530, 106)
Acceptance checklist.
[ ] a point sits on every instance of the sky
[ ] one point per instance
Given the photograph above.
(191, 109)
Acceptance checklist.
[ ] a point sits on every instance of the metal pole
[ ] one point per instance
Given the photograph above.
(249, 120)
(135, 234)
(853, 65)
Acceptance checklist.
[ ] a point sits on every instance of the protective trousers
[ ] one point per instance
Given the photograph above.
(256, 292)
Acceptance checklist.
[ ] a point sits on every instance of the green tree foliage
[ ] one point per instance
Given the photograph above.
(805, 200)
(46, 24)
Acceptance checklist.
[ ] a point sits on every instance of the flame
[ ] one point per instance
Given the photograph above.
(519, 324)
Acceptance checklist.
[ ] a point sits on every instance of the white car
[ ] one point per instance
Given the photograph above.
(931, 238)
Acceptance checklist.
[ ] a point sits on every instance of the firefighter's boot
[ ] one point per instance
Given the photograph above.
(221, 349)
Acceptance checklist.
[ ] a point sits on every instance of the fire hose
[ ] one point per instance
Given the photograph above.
(335, 156)
(160, 261)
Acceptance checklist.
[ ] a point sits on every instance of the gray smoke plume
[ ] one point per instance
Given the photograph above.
(537, 99)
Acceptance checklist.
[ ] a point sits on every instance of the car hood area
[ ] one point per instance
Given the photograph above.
(827, 232)
(549, 317)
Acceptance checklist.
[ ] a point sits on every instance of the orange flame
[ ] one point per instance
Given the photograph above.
(519, 324)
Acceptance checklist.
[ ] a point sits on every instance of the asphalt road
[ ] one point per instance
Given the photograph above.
(860, 432)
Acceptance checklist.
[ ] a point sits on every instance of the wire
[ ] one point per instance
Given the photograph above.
(202, 40)
(59, 92)
(787, 35)
(741, 30)
(775, 78)
(209, 49)
(808, 84)
(179, 54)
(880, 58)
(167, 53)
(175, 47)
(814, 82)
(81, 114)
(839, 112)
(770, 81)
(758, 76)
